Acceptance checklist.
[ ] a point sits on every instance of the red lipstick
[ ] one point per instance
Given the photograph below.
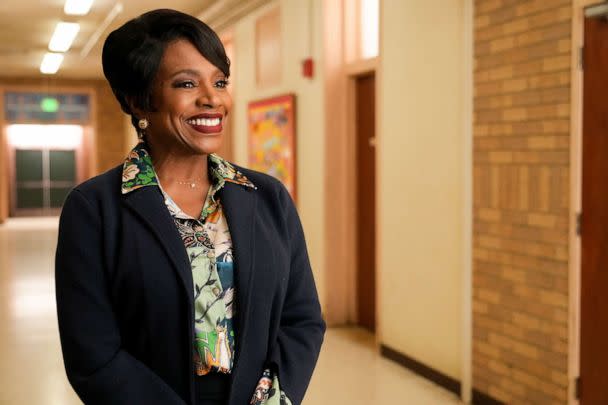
(206, 123)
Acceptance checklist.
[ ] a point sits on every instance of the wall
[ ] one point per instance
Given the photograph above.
(310, 110)
(521, 199)
(114, 129)
(421, 181)
(4, 196)
(109, 126)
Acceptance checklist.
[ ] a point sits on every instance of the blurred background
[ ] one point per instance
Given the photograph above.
(444, 152)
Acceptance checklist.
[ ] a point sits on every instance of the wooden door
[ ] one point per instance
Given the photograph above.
(366, 200)
(594, 225)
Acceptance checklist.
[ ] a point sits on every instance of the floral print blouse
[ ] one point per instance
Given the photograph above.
(209, 247)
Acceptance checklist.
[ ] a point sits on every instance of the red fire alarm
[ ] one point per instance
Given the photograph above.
(308, 68)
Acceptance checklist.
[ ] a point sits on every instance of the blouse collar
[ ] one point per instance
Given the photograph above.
(138, 171)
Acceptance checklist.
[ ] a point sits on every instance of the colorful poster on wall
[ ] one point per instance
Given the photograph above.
(272, 140)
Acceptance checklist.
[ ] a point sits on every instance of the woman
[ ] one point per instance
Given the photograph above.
(180, 277)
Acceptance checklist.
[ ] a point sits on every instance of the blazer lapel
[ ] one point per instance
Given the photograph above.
(238, 203)
(148, 204)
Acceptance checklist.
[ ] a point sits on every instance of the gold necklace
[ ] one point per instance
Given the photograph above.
(190, 183)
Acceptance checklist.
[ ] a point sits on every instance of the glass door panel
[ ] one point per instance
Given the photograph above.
(58, 195)
(43, 178)
(62, 165)
(62, 173)
(29, 173)
(29, 165)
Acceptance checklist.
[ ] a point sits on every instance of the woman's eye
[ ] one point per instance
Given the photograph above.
(186, 85)
(221, 84)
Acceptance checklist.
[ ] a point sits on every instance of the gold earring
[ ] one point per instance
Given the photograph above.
(142, 124)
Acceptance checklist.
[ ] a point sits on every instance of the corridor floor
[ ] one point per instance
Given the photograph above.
(349, 371)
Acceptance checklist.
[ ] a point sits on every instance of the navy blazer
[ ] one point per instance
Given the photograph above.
(125, 294)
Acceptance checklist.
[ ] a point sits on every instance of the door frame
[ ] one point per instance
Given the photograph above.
(576, 195)
(340, 76)
(341, 162)
(353, 72)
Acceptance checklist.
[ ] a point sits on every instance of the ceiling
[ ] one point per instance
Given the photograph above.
(26, 27)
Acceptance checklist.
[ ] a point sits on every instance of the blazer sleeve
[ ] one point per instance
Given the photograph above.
(302, 327)
(98, 369)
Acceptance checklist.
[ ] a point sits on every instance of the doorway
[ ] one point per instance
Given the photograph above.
(594, 220)
(43, 178)
(45, 163)
(365, 124)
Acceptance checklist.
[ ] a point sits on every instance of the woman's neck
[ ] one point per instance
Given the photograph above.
(173, 165)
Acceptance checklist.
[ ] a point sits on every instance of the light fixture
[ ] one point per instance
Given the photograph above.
(50, 63)
(63, 36)
(101, 28)
(77, 7)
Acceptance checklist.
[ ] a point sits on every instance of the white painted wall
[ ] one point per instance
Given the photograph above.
(421, 164)
(421, 172)
(309, 105)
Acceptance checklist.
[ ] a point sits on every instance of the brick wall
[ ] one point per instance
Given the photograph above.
(521, 199)
(112, 129)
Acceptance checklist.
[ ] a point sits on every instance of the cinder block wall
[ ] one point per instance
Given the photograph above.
(521, 199)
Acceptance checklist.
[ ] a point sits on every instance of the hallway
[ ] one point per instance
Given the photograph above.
(349, 371)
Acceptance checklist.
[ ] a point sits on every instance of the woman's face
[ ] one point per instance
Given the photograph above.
(190, 102)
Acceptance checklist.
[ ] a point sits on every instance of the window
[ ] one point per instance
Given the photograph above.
(369, 21)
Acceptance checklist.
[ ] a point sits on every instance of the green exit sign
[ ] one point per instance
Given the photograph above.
(49, 104)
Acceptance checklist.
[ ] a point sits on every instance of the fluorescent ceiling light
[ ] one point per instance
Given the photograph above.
(77, 7)
(63, 36)
(33, 136)
(50, 63)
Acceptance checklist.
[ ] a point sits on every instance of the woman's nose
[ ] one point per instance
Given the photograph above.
(208, 97)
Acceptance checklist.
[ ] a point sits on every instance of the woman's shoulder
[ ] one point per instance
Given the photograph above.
(103, 186)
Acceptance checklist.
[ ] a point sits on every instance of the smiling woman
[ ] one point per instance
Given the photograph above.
(190, 103)
(198, 291)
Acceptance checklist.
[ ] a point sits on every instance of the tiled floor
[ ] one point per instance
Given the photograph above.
(31, 369)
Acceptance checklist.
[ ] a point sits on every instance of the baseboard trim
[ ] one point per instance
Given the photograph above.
(479, 398)
(445, 381)
(423, 370)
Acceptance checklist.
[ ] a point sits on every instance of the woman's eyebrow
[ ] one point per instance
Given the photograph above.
(193, 72)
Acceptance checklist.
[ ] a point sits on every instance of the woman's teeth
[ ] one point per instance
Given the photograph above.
(207, 122)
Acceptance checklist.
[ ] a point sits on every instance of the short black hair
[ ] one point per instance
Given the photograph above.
(132, 53)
